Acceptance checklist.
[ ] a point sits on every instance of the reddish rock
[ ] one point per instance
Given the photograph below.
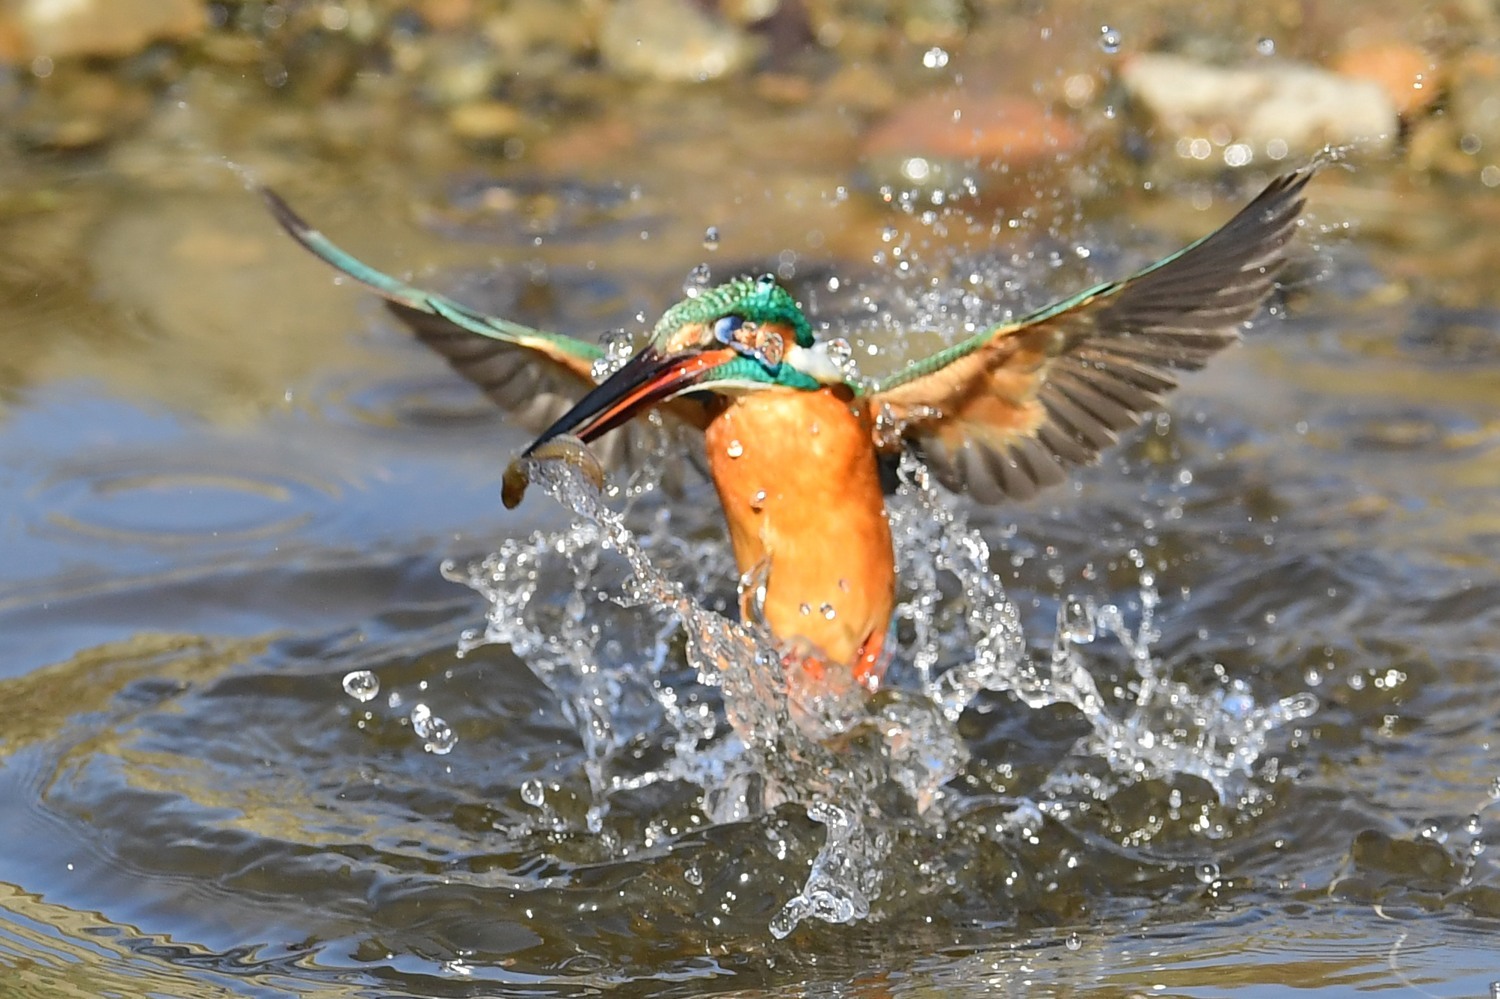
(13, 45)
(447, 15)
(1402, 70)
(953, 127)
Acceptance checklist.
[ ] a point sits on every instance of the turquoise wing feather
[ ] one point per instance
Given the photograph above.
(1007, 411)
(534, 375)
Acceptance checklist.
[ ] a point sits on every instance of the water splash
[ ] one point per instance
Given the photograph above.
(697, 281)
(362, 685)
(619, 347)
(436, 734)
(1166, 729)
(836, 754)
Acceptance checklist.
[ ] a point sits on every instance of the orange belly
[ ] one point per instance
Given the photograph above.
(796, 473)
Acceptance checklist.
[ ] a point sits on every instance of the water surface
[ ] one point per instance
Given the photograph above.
(230, 482)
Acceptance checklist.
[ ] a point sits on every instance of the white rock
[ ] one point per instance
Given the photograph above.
(671, 40)
(59, 28)
(1280, 107)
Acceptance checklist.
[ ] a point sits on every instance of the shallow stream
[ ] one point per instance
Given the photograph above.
(292, 706)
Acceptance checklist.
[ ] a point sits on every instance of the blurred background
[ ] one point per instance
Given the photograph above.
(227, 481)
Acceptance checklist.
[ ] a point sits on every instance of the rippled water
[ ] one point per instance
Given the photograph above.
(292, 706)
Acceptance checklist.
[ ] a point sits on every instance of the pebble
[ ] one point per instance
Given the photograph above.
(103, 28)
(1233, 116)
(1474, 107)
(932, 141)
(447, 15)
(1403, 71)
(1015, 129)
(13, 43)
(79, 109)
(485, 121)
(672, 41)
(859, 86)
(541, 39)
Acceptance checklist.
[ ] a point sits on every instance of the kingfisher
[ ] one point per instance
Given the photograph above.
(794, 441)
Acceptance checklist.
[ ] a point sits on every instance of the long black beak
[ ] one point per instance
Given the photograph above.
(646, 379)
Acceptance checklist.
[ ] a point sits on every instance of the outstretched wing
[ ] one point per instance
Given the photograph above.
(1007, 411)
(535, 376)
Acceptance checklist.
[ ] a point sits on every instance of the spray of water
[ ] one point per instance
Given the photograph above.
(835, 754)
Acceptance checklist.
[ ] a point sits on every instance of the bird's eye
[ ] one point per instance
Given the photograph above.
(726, 330)
(751, 340)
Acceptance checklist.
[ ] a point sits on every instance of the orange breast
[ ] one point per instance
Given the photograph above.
(796, 473)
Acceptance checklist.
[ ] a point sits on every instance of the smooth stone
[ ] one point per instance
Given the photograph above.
(949, 142)
(110, 28)
(671, 41)
(485, 121)
(1286, 107)
(1404, 72)
(1474, 107)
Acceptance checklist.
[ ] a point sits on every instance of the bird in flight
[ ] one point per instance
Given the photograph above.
(793, 443)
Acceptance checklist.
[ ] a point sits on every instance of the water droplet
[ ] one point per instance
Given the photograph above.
(533, 793)
(711, 238)
(437, 735)
(1432, 831)
(1109, 39)
(1074, 942)
(1474, 826)
(1266, 46)
(889, 233)
(735, 449)
(618, 346)
(805, 608)
(1078, 622)
(844, 585)
(440, 737)
(935, 58)
(693, 875)
(828, 612)
(1495, 789)
(1207, 872)
(758, 501)
(362, 685)
(697, 279)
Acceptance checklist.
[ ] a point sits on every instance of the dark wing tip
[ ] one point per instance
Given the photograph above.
(282, 212)
(1123, 345)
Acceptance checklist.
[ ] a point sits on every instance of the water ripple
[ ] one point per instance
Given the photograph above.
(182, 500)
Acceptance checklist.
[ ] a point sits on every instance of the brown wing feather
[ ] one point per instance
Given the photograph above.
(1007, 412)
(534, 375)
(535, 386)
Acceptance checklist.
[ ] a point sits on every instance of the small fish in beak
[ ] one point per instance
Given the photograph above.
(565, 448)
